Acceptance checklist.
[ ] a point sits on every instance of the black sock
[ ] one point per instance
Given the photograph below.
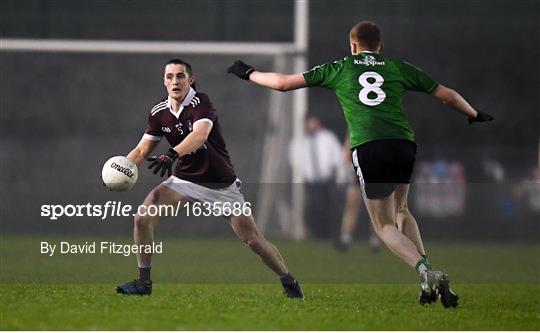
(287, 279)
(144, 273)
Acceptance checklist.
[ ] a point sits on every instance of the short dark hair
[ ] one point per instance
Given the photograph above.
(177, 61)
(367, 34)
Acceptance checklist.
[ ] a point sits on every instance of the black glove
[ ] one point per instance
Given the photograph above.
(240, 69)
(481, 116)
(163, 162)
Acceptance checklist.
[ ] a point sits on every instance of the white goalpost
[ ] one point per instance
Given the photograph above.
(276, 141)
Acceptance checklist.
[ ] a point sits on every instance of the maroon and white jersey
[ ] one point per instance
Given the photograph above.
(210, 165)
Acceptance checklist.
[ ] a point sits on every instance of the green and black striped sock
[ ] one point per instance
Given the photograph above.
(427, 261)
(422, 266)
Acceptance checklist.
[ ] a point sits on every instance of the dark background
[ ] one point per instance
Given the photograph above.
(63, 115)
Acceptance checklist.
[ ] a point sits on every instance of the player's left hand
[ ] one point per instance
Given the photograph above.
(163, 163)
(241, 69)
(481, 116)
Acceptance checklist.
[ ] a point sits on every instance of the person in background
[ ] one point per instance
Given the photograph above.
(319, 160)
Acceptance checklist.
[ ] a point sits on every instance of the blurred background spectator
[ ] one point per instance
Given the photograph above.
(439, 189)
(319, 161)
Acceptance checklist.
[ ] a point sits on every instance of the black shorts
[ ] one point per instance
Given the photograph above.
(382, 164)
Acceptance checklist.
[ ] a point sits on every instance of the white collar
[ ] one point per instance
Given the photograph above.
(191, 93)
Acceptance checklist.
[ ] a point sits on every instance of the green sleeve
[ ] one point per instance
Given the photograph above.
(324, 75)
(415, 79)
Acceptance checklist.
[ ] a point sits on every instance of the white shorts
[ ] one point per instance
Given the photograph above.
(198, 193)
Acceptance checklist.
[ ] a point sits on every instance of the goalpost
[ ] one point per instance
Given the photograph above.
(276, 138)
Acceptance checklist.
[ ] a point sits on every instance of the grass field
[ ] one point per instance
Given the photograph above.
(220, 285)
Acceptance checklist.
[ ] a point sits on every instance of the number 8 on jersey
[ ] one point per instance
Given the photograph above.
(373, 87)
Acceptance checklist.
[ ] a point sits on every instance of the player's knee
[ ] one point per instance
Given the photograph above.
(141, 221)
(377, 227)
(380, 228)
(402, 209)
(153, 197)
(385, 228)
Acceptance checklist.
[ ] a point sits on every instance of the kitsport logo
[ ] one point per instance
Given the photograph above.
(124, 170)
(368, 60)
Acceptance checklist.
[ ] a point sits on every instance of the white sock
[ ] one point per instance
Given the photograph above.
(284, 274)
(346, 238)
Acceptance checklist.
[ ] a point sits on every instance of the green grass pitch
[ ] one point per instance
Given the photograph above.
(221, 285)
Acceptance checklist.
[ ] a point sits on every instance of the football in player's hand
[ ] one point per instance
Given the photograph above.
(119, 174)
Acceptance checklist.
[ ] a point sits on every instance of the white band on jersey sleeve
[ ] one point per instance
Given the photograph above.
(151, 137)
(206, 120)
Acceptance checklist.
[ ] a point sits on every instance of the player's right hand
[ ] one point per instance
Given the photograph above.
(241, 69)
(163, 163)
(481, 116)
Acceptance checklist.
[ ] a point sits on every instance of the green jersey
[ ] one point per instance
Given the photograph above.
(370, 88)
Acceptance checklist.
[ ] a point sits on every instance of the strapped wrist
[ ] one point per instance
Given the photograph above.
(172, 154)
(249, 71)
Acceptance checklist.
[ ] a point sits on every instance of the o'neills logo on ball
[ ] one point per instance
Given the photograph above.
(125, 171)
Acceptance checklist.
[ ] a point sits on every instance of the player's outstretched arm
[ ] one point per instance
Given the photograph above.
(453, 99)
(143, 149)
(275, 81)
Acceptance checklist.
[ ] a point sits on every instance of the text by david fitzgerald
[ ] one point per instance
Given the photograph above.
(51, 249)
